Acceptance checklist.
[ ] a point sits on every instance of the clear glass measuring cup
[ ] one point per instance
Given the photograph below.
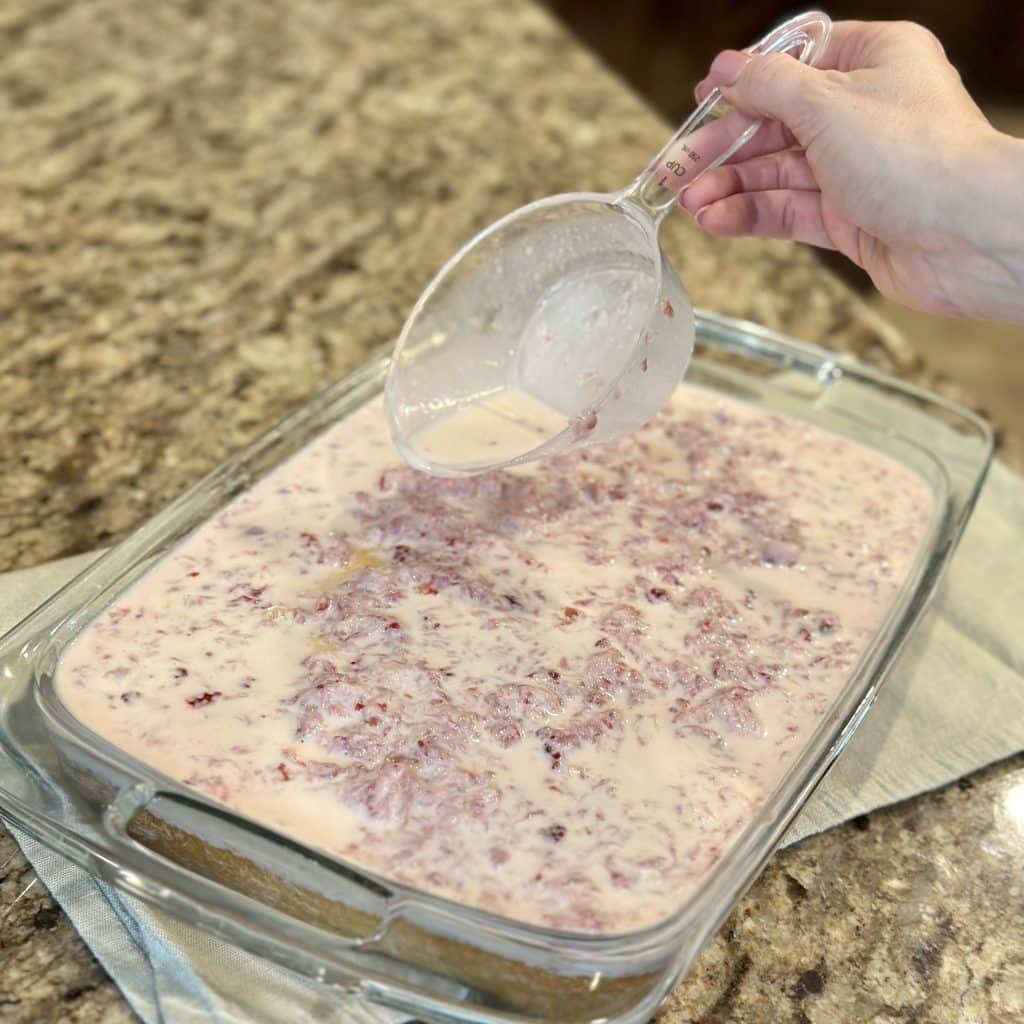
(563, 325)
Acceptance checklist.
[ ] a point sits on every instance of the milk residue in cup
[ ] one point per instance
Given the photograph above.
(491, 429)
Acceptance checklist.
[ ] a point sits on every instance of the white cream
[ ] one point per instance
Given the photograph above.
(557, 692)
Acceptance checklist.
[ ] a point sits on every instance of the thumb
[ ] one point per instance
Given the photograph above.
(778, 87)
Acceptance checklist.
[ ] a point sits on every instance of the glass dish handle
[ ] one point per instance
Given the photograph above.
(207, 857)
(715, 131)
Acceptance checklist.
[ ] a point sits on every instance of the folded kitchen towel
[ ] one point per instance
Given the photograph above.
(954, 702)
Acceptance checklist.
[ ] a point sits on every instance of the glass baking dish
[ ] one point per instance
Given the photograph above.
(389, 943)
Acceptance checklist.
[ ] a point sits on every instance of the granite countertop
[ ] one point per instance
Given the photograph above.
(207, 211)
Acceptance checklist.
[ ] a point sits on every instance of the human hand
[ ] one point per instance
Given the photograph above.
(897, 169)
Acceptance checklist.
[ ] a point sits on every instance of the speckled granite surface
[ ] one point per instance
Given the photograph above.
(206, 211)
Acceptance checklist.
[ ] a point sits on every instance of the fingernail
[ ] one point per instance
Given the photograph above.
(699, 215)
(697, 90)
(726, 67)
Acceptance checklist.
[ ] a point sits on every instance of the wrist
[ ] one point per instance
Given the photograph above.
(993, 227)
(999, 191)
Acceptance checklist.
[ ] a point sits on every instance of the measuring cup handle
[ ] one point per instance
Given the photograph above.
(715, 131)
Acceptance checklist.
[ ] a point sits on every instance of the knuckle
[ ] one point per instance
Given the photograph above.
(771, 69)
(788, 216)
(830, 80)
(771, 75)
(747, 215)
(911, 32)
(935, 41)
(790, 170)
(794, 94)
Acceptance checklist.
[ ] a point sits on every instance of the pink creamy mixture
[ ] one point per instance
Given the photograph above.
(557, 693)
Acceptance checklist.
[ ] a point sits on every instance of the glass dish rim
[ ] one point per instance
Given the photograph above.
(759, 837)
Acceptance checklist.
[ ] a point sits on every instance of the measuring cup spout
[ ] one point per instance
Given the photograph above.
(715, 131)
